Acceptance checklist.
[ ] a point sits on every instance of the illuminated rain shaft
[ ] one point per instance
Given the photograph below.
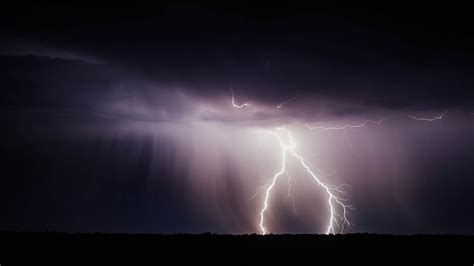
(335, 202)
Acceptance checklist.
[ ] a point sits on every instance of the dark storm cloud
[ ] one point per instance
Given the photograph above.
(370, 56)
(93, 102)
(17, 47)
(79, 87)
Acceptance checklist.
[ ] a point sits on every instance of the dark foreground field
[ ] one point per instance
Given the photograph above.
(17, 246)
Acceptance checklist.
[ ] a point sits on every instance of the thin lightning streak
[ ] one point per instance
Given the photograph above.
(328, 188)
(366, 122)
(344, 127)
(257, 192)
(237, 105)
(377, 122)
(290, 195)
(285, 102)
(260, 188)
(428, 119)
(269, 189)
(333, 200)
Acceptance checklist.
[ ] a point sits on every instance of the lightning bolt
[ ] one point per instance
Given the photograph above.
(344, 128)
(376, 122)
(285, 102)
(237, 105)
(334, 201)
(428, 119)
(290, 195)
(338, 209)
(348, 126)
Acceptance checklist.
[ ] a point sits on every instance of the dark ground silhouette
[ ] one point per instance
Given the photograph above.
(50, 246)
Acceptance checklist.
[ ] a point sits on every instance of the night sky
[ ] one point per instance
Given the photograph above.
(119, 118)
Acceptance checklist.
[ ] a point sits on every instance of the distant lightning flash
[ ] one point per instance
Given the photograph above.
(290, 196)
(344, 128)
(334, 201)
(428, 119)
(237, 105)
(363, 124)
(376, 122)
(285, 102)
(367, 122)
